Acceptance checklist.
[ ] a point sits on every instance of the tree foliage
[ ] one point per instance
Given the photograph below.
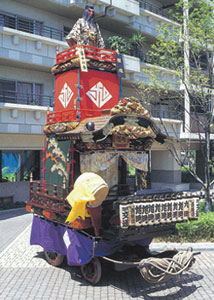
(190, 39)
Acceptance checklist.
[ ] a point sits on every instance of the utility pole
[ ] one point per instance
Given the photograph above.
(186, 67)
(0, 165)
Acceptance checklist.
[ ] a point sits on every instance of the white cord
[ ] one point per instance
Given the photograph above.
(162, 269)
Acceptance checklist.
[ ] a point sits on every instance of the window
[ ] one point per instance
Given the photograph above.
(25, 25)
(38, 94)
(7, 85)
(24, 92)
(21, 92)
(21, 23)
(8, 20)
(7, 91)
(66, 30)
(38, 27)
(32, 26)
(18, 165)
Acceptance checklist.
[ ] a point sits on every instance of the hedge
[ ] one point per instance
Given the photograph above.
(194, 231)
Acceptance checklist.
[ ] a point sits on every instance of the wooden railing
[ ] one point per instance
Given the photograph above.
(49, 196)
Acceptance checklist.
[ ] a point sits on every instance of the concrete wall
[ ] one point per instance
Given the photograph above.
(22, 119)
(21, 141)
(165, 172)
(164, 167)
(18, 190)
(28, 48)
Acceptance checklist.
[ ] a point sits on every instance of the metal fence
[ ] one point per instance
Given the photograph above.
(146, 58)
(8, 96)
(166, 112)
(155, 9)
(31, 26)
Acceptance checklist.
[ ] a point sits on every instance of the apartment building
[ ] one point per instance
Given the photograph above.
(31, 33)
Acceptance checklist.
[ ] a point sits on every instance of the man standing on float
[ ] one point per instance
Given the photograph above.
(86, 31)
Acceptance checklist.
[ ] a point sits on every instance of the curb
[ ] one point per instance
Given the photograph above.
(11, 210)
(206, 246)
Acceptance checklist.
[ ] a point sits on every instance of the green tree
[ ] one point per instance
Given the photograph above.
(187, 48)
(116, 42)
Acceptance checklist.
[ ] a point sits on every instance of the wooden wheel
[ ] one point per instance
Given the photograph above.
(54, 258)
(92, 271)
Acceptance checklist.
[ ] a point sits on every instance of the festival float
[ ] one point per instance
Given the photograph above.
(83, 210)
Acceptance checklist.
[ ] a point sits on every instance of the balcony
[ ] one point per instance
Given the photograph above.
(31, 26)
(33, 51)
(155, 9)
(8, 96)
(22, 120)
(129, 7)
(166, 112)
(137, 14)
(146, 58)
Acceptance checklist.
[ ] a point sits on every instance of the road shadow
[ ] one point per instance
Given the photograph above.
(8, 214)
(132, 283)
(74, 271)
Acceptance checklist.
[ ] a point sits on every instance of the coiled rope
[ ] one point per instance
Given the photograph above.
(162, 269)
(154, 269)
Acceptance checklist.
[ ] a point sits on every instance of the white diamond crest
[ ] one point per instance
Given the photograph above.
(99, 94)
(65, 95)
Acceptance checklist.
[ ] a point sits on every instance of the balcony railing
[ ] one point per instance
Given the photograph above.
(146, 58)
(166, 112)
(155, 9)
(8, 96)
(31, 26)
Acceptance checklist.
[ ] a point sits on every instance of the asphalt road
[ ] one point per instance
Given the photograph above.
(25, 274)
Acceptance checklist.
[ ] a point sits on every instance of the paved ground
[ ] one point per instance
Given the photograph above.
(12, 223)
(24, 274)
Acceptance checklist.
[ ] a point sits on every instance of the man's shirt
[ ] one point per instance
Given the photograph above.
(83, 33)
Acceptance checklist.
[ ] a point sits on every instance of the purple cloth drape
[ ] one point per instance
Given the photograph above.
(77, 247)
(48, 235)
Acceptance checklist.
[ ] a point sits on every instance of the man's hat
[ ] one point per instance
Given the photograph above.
(89, 6)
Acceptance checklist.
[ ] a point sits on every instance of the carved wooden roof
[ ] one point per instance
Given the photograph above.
(104, 125)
